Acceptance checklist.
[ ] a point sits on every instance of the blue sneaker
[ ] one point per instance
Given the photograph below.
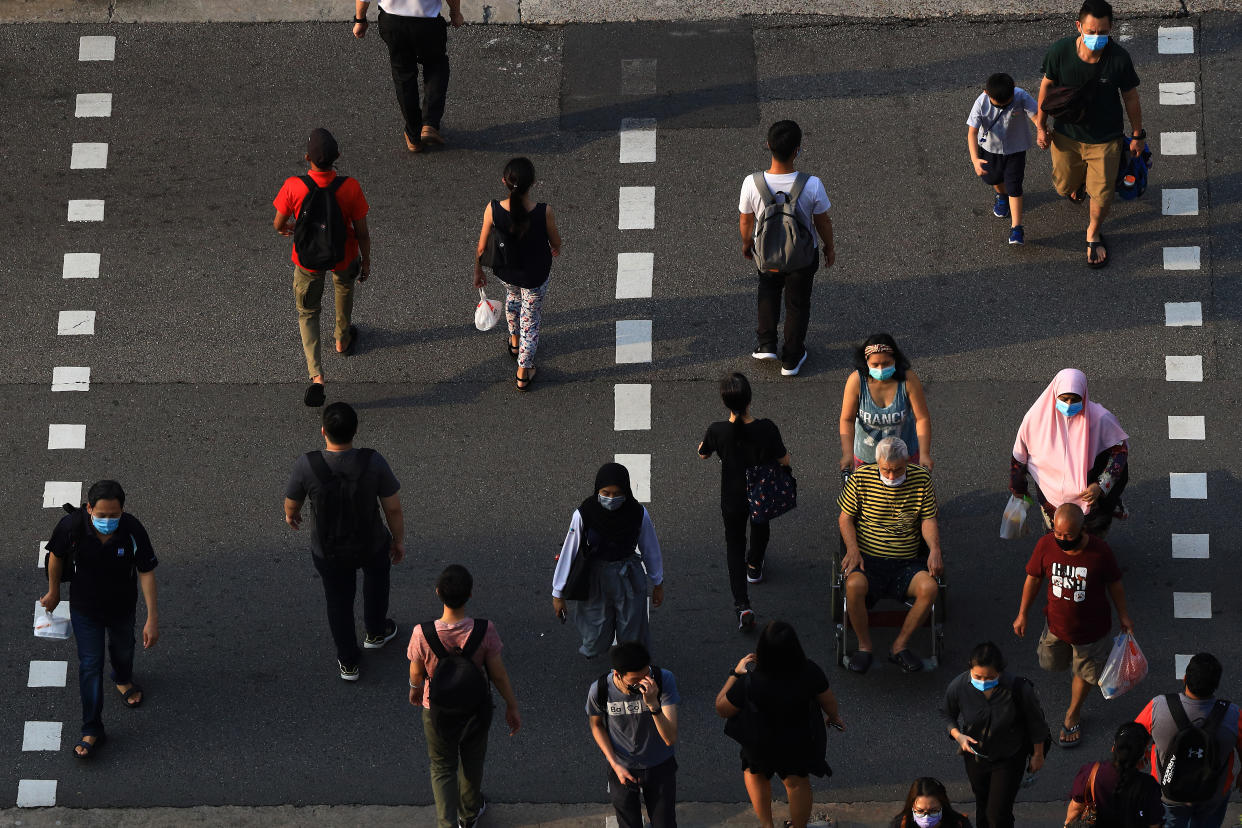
(1016, 236)
(1000, 207)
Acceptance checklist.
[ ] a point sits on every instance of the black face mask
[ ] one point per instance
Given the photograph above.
(1068, 545)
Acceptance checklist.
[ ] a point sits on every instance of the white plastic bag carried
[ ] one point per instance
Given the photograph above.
(1125, 668)
(47, 625)
(1013, 521)
(488, 312)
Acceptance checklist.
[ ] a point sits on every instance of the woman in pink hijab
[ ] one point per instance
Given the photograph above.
(1075, 450)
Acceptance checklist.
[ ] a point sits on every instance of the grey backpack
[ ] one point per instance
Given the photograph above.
(783, 244)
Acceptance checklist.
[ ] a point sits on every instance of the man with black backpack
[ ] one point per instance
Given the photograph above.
(781, 211)
(1195, 736)
(326, 216)
(344, 484)
(452, 660)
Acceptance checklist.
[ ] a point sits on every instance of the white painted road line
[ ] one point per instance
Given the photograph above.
(80, 266)
(1186, 427)
(1178, 143)
(634, 275)
(94, 105)
(43, 553)
(76, 323)
(1192, 605)
(1177, 94)
(638, 140)
(86, 209)
(638, 76)
(97, 47)
(41, 736)
(58, 492)
(1188, 485)
(1176, 40)
(636, 208)
(1180, 202)
(1183, 314)
(1183, 369)
(639, 466)
(1181, 258)
(631, 406)
(88, 157)
(66, 436)
(1190, 546)
(47, 674)
(36, 793)
(1179, 666)
(633, 341)
(67, 378)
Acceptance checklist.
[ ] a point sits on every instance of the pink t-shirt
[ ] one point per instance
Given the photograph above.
(452, 636)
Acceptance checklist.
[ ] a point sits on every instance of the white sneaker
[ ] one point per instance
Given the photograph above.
(793, 372)
(762, 354)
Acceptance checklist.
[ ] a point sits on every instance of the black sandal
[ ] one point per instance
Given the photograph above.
(523, 383)
(909, 662)
(134, 688)
(860, 661)
(314, 395)
(1092, 246)
(1078, 196)
(513, 349)
(88, 748)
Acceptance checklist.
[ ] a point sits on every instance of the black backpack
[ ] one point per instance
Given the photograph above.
(459, 689)
(502, 252)
(754, 731)
(319, 232)
(345, 513)
(783, 244)
(1192, 762)
(601, 688)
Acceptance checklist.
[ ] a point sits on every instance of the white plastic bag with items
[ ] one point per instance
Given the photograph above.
(48, 625)
(488, 312)
(1013, 521)
(1125, 668)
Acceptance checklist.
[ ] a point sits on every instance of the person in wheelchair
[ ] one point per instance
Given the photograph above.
(888, 510)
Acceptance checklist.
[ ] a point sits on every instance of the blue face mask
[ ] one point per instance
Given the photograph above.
(1094, 42)
(612, 504)
(983, 685)
(105, 526)
(1067, 409)
(882, 373)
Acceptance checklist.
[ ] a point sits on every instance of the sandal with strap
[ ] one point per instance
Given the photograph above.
(88, 748)
(523, 383)
(513, 349)
(1070, 731)
(134, 689)
(1092, 261)
(908, 661)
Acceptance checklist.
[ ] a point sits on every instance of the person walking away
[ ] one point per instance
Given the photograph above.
(609, 563)
(527, 231)
(326, 214)
(928, 806)
(452, 660)
(999, 727)
(782, 245)
(1082, 77)
(105, 553)
(633, 716)
(883, 398)
(997, 139)
(777, 702)
(343, 484)
(1117, 793)
(415, 34)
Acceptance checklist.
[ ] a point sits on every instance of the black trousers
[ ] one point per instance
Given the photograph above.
(658, 786)
(797, 293)
(995, 785)
(339, 585)
(413, 41)
(735, 523)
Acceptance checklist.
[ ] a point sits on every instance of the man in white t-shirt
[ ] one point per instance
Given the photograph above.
(785, 142)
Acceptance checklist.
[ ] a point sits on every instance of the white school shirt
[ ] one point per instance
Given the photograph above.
(812, 202)
(412, 8)
(653, 561)
(1012, 131)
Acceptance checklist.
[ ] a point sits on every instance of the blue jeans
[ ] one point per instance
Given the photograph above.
(1210, 814)
(89, 634)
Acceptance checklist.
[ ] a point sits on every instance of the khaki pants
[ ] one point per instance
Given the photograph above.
(1095, 165)
(308, 296)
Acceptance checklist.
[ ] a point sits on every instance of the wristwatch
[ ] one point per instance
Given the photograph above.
(1142, 133)
(736, 674)
(655, 711)
(360, 20)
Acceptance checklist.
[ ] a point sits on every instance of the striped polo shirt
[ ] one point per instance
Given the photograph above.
(889, 518)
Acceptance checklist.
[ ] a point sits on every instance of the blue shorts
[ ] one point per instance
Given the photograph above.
(890, 577)
(1010, 169)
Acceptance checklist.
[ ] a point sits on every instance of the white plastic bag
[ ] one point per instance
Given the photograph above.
(488, 312)
(1125, 668)
(1013, 521)
(47, 625)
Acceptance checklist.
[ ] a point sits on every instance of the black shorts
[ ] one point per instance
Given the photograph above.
(890, 577)
(784, 766)
(1010, 169)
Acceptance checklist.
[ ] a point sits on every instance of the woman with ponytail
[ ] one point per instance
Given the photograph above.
(1118, 793)
(526, 232)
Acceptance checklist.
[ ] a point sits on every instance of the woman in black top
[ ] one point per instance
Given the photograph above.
(773, 701)
(927, 806)
(741, 442)
(1000, 731)
(531, 229)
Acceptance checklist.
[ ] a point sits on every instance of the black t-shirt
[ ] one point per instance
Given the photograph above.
(1112, 75)
(536, 255)
(761, 443)
(783, 701)
(105, 580)
(377, 478)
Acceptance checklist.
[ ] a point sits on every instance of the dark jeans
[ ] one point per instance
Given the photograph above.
(1209, 814)
(90, 635)
(339, 585)
(797, 290)
(411, 41)
(735, 523)
(457, 767)
(658, 787)
(995, 785)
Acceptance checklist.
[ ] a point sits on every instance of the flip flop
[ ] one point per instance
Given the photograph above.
(88, 748)
(908, 661)
(314, 395)
(1078, 196)
(1091, 248)
(860, 661)
(134, 688)
(1070, 731)
(353, 340)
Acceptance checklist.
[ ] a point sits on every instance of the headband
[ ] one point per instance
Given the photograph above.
(877, 349)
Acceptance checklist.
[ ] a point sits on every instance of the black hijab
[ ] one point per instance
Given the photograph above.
(620, 527)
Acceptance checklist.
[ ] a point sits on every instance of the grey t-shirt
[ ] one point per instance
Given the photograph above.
(1163, 729)
(1010, 128)
(634, 736)
(377, 477)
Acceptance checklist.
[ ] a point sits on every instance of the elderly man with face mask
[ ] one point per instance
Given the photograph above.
(888, 509)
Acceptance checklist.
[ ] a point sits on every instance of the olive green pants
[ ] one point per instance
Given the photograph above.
(457, 767)
(308, 295)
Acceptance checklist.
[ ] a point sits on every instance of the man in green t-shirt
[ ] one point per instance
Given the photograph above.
(1086, 154)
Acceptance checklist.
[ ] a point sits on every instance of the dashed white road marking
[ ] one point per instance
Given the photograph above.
(636, 208)
(86, 209)
(1176, 40)
(1178, 143)
(36, 793)
(41, 735)
(639, 466)
(93, 105)
(1187, 427)
(638, 76)
(43, 553)
(97, 47)
(88, 157)
(1188, 485)
(80, 266)
(47, 674)
(632, 406)
(634, 275)
(633, 341)
(1179, 665)
(71, 378)
(1190, 546)
(66, 436)
(1183, 368)
(58, 492)
(1180, 202)
(1192, 605)
(1181, 258)
(638, 140)
(1183, 314)
(76, 323)
(1177, 94)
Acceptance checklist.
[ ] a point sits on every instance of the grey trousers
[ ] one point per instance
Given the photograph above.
(616, 606)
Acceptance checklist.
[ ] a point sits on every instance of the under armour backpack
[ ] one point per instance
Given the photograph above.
(1192, 761)
(459, 689)
(319, 230)
(783, 244)
(345, 512)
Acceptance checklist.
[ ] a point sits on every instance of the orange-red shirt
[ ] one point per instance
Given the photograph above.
(350, 198)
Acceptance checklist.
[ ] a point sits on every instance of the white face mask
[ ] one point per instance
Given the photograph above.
(894, 483)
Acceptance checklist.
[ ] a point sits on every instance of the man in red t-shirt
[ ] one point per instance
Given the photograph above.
(1082, 575)
(321, 153)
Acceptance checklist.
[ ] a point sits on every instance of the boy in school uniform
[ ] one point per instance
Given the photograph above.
(998, 138)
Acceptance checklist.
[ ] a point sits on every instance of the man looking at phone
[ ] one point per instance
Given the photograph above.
(633, 712)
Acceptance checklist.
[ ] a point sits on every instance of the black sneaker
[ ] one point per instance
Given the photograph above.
(754, 574)
(745, 619)
(374, 642)
(470, 823)
(349, 672)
